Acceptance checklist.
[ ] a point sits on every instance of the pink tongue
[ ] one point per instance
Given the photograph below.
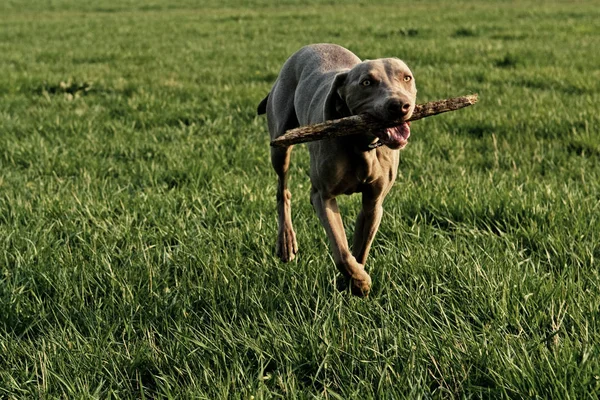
(397, 136)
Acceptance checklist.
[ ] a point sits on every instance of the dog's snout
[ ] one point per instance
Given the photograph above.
(397, 108)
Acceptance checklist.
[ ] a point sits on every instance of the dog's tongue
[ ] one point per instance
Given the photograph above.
(395, 137)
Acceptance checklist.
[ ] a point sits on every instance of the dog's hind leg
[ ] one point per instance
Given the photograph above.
(287, 246)
(281, 117)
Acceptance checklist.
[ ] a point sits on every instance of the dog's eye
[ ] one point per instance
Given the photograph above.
(407, 78)
(366, 82)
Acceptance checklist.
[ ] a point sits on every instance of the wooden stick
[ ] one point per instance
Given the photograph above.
(366, 124)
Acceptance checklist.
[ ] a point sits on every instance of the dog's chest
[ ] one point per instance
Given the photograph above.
(342, 170)
(366, 170)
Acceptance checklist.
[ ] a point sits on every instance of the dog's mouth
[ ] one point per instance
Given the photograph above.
(395, 137)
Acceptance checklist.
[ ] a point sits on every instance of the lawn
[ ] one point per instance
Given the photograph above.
(138, 222)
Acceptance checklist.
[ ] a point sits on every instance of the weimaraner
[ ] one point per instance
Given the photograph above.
(322, 82)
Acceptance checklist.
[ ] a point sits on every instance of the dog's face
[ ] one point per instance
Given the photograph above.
(384, 89)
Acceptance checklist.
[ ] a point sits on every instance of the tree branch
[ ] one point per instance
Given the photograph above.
(366, 124)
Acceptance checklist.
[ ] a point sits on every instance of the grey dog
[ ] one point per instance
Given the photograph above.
(322, 82)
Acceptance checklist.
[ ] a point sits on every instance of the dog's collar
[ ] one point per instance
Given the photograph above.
(374, 145)
(366, 147)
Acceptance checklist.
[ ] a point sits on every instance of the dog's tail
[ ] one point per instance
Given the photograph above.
(262, 107)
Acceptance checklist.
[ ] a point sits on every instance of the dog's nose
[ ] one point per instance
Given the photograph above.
(397, 108)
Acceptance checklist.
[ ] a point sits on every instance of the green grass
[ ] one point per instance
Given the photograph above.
(137, 206)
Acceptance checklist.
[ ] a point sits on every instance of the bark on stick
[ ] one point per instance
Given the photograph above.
(365, 124)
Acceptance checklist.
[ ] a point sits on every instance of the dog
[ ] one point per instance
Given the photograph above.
(322, 82)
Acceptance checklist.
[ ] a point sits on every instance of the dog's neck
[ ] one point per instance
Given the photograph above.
(365, 143)
(360, 143)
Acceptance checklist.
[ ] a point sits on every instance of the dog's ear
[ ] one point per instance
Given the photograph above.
(335, 106)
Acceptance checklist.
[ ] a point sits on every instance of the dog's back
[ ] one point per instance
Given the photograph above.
(300, 90)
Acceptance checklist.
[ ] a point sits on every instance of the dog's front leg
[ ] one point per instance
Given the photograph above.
(329, 214)
(367, 225)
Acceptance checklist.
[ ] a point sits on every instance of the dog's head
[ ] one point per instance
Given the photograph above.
(383, 88)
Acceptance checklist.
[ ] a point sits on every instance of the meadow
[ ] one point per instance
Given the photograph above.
(138, 222)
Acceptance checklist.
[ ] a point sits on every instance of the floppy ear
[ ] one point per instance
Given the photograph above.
(335, 107)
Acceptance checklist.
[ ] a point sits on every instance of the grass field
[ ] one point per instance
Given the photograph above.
(137, 206)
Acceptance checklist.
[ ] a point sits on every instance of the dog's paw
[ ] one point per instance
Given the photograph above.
(361, 285)
(342, 283)
(287, 246)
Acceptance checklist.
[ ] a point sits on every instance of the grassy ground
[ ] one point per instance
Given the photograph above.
(137, 206)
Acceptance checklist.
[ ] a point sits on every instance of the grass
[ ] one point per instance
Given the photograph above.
(137, 206)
